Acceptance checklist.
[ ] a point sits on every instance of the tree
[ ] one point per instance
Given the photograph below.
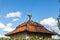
(59, 1)
(58, 19)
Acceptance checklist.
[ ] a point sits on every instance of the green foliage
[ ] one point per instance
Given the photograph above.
(20, 38)
(49, 38)
(30, 38)
(34, 38)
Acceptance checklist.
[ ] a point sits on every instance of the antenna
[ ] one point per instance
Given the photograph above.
(29, 15)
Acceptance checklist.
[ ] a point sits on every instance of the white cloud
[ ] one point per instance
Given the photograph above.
(13, 14)
(2, 25)
(9, 24)
(4, 36)
(50, 23)
(15, 19)
(7, 28)
(55, 37)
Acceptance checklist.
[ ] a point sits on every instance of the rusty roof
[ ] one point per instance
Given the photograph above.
(30, 26)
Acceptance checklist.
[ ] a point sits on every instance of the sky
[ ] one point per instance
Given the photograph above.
(14, 12)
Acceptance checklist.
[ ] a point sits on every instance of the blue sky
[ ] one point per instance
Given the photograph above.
(13, 12)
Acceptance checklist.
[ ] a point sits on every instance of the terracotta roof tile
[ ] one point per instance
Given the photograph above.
(30, 26)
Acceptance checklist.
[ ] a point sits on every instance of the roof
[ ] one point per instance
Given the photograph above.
(30, 26)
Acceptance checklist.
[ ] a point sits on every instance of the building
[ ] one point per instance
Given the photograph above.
(30, 28)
